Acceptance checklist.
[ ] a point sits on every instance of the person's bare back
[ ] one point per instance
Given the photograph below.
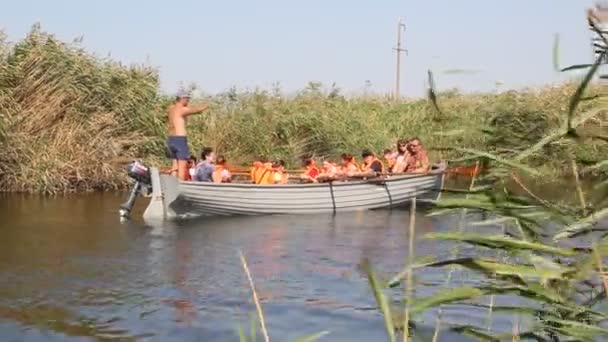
(177, 141)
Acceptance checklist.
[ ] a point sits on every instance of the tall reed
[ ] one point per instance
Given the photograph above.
(66, 117)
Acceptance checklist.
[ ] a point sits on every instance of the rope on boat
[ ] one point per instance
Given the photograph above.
(388, 192)
(333, 199)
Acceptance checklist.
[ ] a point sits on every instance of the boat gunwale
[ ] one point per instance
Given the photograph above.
(373, 181)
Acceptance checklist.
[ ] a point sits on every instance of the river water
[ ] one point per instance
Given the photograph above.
(71, 271)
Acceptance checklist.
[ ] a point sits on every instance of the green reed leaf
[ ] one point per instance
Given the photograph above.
(491, 267)
(242, 336)
(530, 290)
(500, 242)
(558, 133)
(432, 94)
(473, 203)
(577, 67)
(583, 225)
(499, 160)
(520, 310)
(576, 328)
(492, 222)
(254, 328)
(576, 98)
(313, 338)
(381, 300)
(443, 297)
(476, 333)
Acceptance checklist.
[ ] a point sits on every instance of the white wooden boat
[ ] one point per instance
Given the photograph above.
(172, 198)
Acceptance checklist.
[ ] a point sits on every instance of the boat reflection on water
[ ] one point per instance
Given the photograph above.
(186, 313)
(170, 257)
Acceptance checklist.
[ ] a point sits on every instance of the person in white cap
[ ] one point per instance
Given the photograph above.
(177, 142)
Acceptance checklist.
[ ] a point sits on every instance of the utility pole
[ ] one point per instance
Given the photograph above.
(399, 50)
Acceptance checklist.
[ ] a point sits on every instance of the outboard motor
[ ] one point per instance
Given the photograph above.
(143, 185)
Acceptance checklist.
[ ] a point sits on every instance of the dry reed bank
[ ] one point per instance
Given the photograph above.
(69, 120)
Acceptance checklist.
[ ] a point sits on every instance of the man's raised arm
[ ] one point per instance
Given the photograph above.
(195, 109)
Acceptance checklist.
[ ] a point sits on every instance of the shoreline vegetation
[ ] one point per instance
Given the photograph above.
(70, 121)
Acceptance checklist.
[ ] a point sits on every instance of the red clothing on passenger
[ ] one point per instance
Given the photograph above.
(313, 172)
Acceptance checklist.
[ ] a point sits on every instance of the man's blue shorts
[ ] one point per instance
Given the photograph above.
(178, 147)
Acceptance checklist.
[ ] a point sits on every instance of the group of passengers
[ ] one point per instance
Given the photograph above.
(209, 169)
(409, 157)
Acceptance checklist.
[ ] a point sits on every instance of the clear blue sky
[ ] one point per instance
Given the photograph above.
(249, 43)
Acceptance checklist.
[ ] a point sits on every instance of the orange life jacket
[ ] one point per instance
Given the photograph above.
(217, 174)
(265, 174)
(254, 170)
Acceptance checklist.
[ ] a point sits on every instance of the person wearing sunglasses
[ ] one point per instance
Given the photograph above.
(418, 159)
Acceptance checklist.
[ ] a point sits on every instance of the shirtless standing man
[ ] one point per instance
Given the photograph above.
(177, 142)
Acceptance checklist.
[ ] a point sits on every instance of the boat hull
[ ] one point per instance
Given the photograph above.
(174, 199)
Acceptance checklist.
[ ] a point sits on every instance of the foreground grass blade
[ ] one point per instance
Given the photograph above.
(576, 98)
(501, 241)
(432, 93)
(600, 265)
(252, 332)
(475, 333)
(491, 266)
(313, 338)
(577, 67)
(520, 310)
(558, 134)
(409, 275)
(531, 291)
(575, 328)
(499, 160)
(255, 298)
(442, 297)
(579, 188)
(381, 300)
(584, 225)
(483, 203)
(242, 336)
(254, 328)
